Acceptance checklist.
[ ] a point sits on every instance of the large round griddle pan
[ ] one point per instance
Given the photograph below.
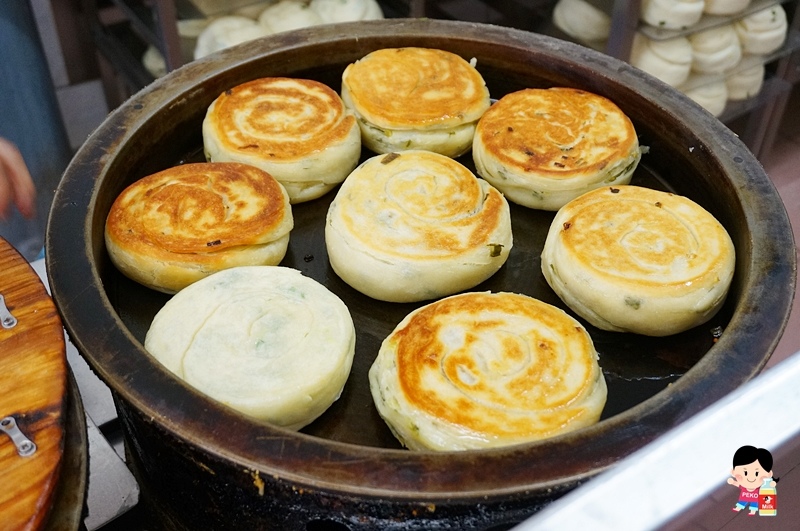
(201, 465)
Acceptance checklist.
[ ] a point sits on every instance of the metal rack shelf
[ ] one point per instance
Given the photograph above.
(154, 23)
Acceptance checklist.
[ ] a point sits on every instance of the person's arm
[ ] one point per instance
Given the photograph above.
(16, 184)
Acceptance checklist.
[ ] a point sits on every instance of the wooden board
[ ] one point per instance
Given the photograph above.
(33, 385)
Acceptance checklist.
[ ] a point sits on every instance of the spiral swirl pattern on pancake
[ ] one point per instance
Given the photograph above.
(178, 225)
(544, 147)
(481, 370)
(415, 98)
(298, 130)
(416, 225)
(411, 87)
(633, 259)
(267, 341)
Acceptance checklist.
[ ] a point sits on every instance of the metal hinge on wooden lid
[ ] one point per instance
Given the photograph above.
(25, 446)
(7, 320)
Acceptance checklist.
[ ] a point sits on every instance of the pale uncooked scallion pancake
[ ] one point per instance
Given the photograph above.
(298, 130)
(416, 225)
(633, 259)
(482, 370)
(267, 341)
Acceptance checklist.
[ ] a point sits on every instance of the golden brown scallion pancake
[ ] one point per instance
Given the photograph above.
(415, 98)
(179, 225)
(633, 259)
(544, 147)
(481, 370)
(416, 225)
(297, 130)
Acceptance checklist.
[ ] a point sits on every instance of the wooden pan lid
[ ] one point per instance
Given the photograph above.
(33, 394)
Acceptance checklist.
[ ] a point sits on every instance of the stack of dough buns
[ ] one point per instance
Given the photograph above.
(267, 18)
(581, 20)
(483, 370)
(288, 15)
(745, 83)
(333, 11)
(544, 147)
(711, 66)
(416, 225)
(764, 31)
(182, 224)
(265, 340)
(671, 14)
(715, 50)
(711, 95)
(632, 259)
(227, 31)
(415, 98)
(725, 68)
(297, 130)
(728, 62)
(669, 60)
